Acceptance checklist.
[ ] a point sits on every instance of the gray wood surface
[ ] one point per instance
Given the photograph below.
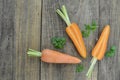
(19, 30)
(32, 23)
(81, 12)
(109, 68)
(27, 28)
(7, 35)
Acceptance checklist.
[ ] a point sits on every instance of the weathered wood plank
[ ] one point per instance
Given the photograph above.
(20, 29)
(86, 11)
(109, 68)
(27, 24)
(81, 12)
(7, 39)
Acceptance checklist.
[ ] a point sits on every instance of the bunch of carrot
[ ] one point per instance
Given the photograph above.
(73, 31)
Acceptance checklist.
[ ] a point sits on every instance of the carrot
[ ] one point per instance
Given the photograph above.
(99, 50)
(51, 56)
(73, 32)
(101, 44)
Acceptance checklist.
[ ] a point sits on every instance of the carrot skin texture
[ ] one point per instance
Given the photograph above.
(100, 48)
(75, 34)
(101, 54)
(78, 34)
(51, 56)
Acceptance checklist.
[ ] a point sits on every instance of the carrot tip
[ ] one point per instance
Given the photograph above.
(84, 56)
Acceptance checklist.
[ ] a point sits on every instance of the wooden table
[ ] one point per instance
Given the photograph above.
(32, 23)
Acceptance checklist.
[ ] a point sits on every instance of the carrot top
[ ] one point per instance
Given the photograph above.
(64, 15)
(34, 53)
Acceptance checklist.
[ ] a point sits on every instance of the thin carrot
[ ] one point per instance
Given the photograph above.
(73, 32)
(99, 50)
(51, 56)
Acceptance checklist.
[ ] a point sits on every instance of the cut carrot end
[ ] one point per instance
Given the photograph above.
(34, 53)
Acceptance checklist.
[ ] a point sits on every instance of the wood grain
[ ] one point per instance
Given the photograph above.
(27, 27)
(32, 23)
(109, 68)
(7, 35)
(81, 12)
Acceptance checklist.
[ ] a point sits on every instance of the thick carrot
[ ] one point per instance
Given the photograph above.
(51, 56)
(78, 34)
(99, 50)
(73, 32)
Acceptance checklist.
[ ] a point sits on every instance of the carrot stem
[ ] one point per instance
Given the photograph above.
(34, 53)
(64, 10)
(64, 15)
(94, 60)
(91, 60)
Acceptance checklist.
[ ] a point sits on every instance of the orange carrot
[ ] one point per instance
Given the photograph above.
(73, 32)
(99, 50)
(102, 44)
(51, 56)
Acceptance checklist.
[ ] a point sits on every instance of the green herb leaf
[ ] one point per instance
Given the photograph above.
(58, 42)
(113, 48)
(93, 25)
(79, 68)
(89, 29)
(86, 33)
(111, 52)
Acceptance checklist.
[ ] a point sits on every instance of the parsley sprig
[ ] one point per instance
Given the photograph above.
(111, 52)
(79, 68)
(58, 42)
(88, 29)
